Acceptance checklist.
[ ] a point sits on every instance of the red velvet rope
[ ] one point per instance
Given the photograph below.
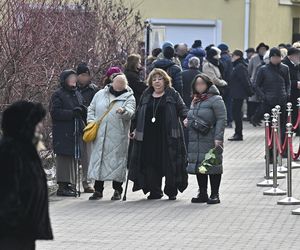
(269, 136)
(294, 156)
(281, 149)
(298, 121)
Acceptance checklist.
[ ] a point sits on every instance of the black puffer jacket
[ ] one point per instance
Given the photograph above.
(273, 84)
(62, 103)
(23, 186)
(173, 70)
(239, 83)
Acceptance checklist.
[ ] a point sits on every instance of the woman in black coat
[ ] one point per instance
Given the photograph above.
(158, 147)
(132, 73)
(24, 215)
(66, 105)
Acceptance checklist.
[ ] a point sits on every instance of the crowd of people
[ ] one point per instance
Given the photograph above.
(160, 126)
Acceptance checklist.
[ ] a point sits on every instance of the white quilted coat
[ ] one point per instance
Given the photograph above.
(110, 149)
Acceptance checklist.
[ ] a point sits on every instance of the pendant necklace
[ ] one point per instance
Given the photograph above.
(153, 120)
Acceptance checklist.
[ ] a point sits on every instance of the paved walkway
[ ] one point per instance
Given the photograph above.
(245, 219)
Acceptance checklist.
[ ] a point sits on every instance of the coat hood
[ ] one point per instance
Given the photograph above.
(163, 63)
(20, 119)
(64, 75)
(213, 90)
(198, 52)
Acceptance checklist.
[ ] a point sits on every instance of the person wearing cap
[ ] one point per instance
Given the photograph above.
(273, 87)
(227, 65)
(213, 68)
(292, 61)
(87, 90)
(254, 63)
(240, 89)
(109, 73)
(162, 56)
(197, 51)
(66, 104)
(250, 52)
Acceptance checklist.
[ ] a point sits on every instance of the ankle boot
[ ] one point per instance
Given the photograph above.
(202, 197)
(214, 199)
(64, 190)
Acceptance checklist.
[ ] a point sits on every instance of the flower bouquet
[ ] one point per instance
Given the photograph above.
(211, 159)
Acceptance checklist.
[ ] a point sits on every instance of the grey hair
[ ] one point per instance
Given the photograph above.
(194, 62)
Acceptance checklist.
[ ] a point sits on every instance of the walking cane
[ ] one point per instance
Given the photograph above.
(126, 187)
(77, 158)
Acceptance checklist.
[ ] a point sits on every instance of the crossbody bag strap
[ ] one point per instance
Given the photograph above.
(110, 107)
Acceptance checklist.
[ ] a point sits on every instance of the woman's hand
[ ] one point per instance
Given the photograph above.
(132, 135)
(218, 143)
(185, 122)
(120, 111)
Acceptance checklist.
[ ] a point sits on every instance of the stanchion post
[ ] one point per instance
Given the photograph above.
(289, 200)
(268, 182)
(274, 190)
(280, 167)
(296, 164)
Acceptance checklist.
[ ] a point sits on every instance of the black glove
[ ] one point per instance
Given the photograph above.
(78, 112)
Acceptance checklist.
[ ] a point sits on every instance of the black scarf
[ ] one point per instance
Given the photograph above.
(116, 93)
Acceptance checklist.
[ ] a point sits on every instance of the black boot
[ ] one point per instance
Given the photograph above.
(116, 196)
(236, 137)
(214, 199)
(202, 197)
(96, 196)
(65, 190)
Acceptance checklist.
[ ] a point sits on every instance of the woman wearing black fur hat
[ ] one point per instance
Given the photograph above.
(24, 214)
(66, 105)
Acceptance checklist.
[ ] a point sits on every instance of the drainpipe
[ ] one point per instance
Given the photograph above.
(247, 24)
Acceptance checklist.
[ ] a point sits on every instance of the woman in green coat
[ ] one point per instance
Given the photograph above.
(207, 106)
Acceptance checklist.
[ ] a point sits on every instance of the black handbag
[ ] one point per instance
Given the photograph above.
(200, 126)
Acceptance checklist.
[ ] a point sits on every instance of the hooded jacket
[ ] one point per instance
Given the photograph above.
(198, 52)
(23, 185)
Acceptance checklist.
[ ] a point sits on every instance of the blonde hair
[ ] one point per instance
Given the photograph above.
(163, 74)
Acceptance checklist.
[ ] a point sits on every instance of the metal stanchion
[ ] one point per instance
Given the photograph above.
(296, 164)
(280, 167)
(279, 175)
(274, 190)
(289, 200)
(268, 182)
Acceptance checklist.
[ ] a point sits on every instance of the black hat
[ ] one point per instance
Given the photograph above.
(20, 119)
(238, 52)
(275, 52)
(197, 43)
(213, 51)
(250, 50)
(293, 51)
(82, 69)
(262, 45)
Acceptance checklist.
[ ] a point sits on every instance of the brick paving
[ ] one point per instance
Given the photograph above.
(245, 219)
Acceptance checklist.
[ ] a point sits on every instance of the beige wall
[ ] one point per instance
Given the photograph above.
(230, 12)
(269, 21)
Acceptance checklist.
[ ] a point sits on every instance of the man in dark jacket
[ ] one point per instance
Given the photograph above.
(239, 91)
(66, 104)
(273, 86)
(87, 90)
(173, 70)
(24, 213)
(292, 61)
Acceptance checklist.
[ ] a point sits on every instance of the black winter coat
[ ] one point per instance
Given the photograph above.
(239, 83)
(24, 212)
(295, 77)
(88, 93)
(176, 111)
(173, 70)
(187, 79)
(135, 84)
(62, 103)
(273, 84)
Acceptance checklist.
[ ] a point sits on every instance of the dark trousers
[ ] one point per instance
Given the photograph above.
(99, 186)
(17, 244)
(154, 183)
(252, 108)
(237, 113)
(228, 104)
(215, 181)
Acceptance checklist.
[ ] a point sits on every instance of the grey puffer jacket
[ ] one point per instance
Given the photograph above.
(211, 111)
